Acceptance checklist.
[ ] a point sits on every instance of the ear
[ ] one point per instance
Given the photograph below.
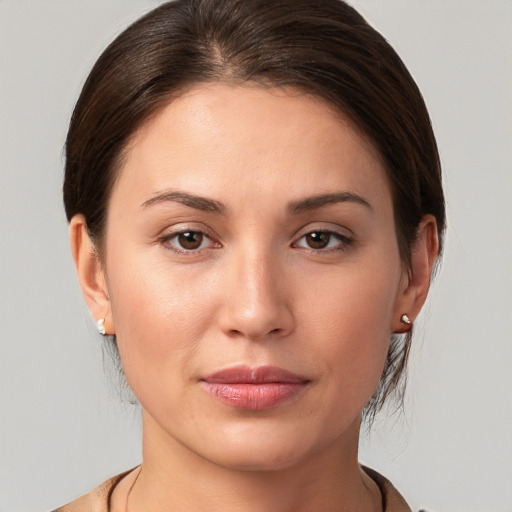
(91, 274)
(415, 283)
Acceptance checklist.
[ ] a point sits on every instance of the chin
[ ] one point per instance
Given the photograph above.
(259, 460)
(265, 449)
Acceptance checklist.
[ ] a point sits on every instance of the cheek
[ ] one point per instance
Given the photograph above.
(160, 319)
(350, 317)
(353, 301)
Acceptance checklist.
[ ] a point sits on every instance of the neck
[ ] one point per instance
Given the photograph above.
(173, 477)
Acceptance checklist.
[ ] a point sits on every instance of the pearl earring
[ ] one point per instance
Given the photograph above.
(101, 327)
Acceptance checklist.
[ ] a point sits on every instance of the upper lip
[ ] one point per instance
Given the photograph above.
(260, 375)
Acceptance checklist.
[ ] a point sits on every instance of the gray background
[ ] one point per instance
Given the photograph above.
(63, 427)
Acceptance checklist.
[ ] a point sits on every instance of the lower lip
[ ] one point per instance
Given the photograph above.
(254, 397)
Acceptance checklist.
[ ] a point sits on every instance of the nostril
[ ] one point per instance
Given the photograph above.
(257, 337)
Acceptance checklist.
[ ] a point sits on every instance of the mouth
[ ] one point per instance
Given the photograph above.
(254, 389)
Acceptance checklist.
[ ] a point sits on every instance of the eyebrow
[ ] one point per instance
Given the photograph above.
(311, 203)
(197, 202)
(299, 206)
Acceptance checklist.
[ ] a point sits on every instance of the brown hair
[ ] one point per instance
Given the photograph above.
(322, 47)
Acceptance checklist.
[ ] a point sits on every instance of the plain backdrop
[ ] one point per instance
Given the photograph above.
(64, 428)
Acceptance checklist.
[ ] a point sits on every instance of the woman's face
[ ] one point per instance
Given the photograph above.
(253, 275)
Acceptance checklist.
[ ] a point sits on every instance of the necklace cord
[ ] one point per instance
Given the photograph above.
(130, 489)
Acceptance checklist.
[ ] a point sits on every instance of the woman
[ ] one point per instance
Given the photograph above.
(255, 206)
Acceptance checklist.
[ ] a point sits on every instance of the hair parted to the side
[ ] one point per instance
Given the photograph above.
(321, 47)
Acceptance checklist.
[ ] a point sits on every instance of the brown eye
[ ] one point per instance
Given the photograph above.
(324, 241)
(318, 239)
(190, 240)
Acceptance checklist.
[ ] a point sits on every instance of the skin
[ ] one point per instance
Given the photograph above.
(254, 292)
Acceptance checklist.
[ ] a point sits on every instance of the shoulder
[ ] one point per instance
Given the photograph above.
(392, 500)
(97, 500)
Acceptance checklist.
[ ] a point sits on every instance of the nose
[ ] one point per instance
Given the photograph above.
(256, 303)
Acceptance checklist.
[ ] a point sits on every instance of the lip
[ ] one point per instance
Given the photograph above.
(254, 389)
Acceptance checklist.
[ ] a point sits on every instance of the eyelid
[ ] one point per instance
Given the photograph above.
(326, 227)
(344, 235)
(166, 237)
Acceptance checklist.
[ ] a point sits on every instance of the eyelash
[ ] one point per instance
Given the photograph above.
(167, 242)
(343, 245)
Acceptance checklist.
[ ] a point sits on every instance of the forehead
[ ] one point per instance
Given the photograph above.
(215, 137)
